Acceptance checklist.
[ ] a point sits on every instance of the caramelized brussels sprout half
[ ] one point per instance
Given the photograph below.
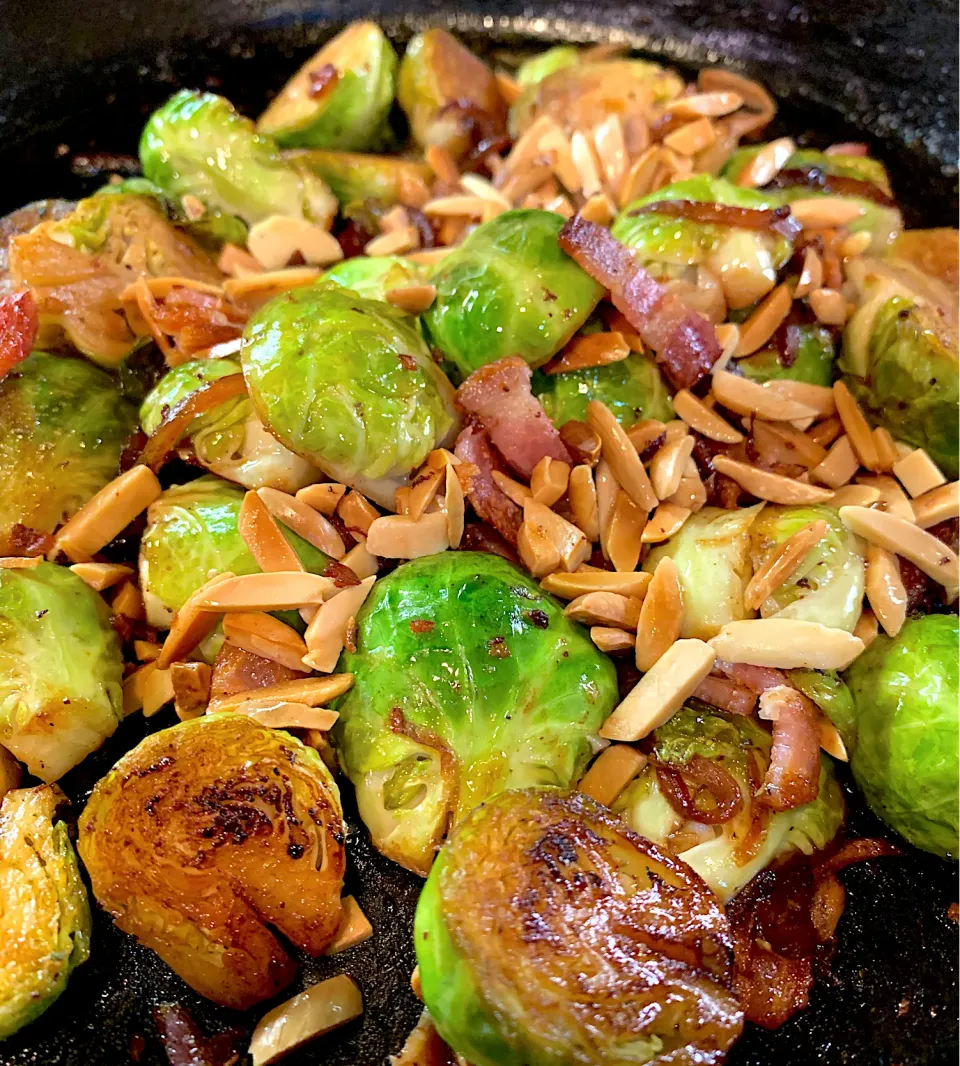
(207, 836)
(348, 384)
(549, 934)
(509, 289)
(532, 71)
(63, 426)
(60, 669)
(906, 761)
(44, 914)
(373, 276)
(935, 252)
(341, 97)
(354, 177)
(810, 356)
(738, 748)
(469, 680)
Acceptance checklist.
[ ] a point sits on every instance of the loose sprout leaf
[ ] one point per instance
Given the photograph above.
(538, 67)
(374, 276)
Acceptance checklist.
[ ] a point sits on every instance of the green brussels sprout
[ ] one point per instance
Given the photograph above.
(712, 554)
(469, 680)
(442, 87)
(532, 71)
(374, 276)
(830, 693)
(341, 97)
(859, 167)
(906, 759)
(935, 252)
(44, 913)
(63, 425)
(60, 669)
(348, 384)
(813, 361)
(356, 177)
(746, 261)
(228, 440)
(191, 535)
(828, 585)
(509, 289)
(198, 145)
(899, 357)
(632, 388)
(548, 934)
(737, 745)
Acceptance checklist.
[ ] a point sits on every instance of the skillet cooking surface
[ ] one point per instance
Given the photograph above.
(890, 996)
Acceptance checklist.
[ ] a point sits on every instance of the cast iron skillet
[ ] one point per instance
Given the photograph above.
(77, 78)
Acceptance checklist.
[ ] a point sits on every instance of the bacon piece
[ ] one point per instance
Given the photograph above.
(493, 506)
(756, 678)
(813, 177)
(793, 775)
(685, 344)
(727, 695)
(19, 323)
(499, 397)
(776, 220)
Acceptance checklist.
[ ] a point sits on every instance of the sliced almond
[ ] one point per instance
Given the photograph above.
(457, 206)
(192, 624)
(191, 689)
(711, 105)
(133, 688)
(886, 449)
(867, 627)
(354, 929)
(310, 691)
(609, 140)
(605, 609)
(537, 551)
(766, 486)
(589, 350)
(665, 521)
(269, 547)
(399, 242)
(157, 690)
(146, 651)
(279, 591)
(612, 770)
(100, 576)
(674, 430)
(275, 240)
(304, 520)
(811, 276)
(839, 466)
(704, 419)
(588, 166)
(855, 496)
(728, 337)
(623, 538)
(825, 212)
(826, 432)
(581, 440)
(661, 691)
(583, 501)
(357, 514)
(830, 306)
(748, 398)
(691, 138)
(516, 491)
(20, 562)
(324, 497)
(918, 473)
(767, 163)
(600, 209)
(897, 535)
(661, 615)
(607, 489)
(781, 563)
(818, 398)
(856, 426)
(453, 506)
(786, 644)
(414, 299)
(327, 632)
(402, 537)
(113, 508)
(885, 590)
(442, 163)
(287, 715)
(263, 286)
(261, 634)
(549, 480)
(937, 505)
(795, 447)
(831, 741)
(573, 546)
(622, 456)
(644, 432)
(423, 491)
(128, 602)
(570, 586)
(667, 466)
(611, 641)
(764, 320)
(891, 497)
(691, 495)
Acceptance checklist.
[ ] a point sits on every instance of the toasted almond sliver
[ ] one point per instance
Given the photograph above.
(782, 563)
(897, 535)
(327, 632)
(937, 505)
(273, 242)
(612, 770)
(157, 690)
(402, 537)
(667, 466)
(831, 741)
(612, 150)
(357, 514)
(665, 521)
(570, 586)
(113, 508)
(607, 489)
(360, 561)
(825, 212)
(515, 490)
(854, 245)
(674, 430)
(396, 243)
(885, 590)
(704, 419)
(661, 691)
(454, 506)
(442, 163)
(622, 456)
(590, 350)
(830, 306)
(611, 641)
(273, 282)
(457, 206)
(599, 208)
(128, 602)
(623, 539)
(537, 551)
(773, 487)
(817, 398)
(20, 562)
(266, 636)
(855, 496)
(786, 644)
(892, 498)
(712, 105)
(191, 689)
(767, 163)
(100, 576)
(886, 449)
(605, 609)
(585, 160)
(414, 299)
(132, 687)
(146, 651)
(282, 590)
(691, 494)
(749, 398)
(269, 547)
(867, 627)
(423, 491)
(763, 322)
(477, 186)
(284, 714)
(839, 466)
(692, 137)
(918, 473)
(549, 480)
(811, 276)
(310, 691)
(643, 433)
(304, 520)
(728, 337)
(583, 501)
(191, 624)
(354, 929)
(323, 497)
(573, 546)
(661, 615)
(826, 432)
(795, 446)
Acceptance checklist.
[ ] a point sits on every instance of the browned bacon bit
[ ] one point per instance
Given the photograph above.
(479, 537)
(814, 177)
(26, 541)
(856, 851)
(826, 907)
(491, 504)
(322, 81)
(497, 648)
(342, 576)
(756, 678)
(924, 595)
(793, 775)
(711, 782)
(175, 422)
(185, 1045)
(727, 695)
(500, 398)
(776, 220)
(19, 323)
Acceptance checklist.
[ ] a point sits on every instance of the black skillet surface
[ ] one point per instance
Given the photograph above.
(80, 78)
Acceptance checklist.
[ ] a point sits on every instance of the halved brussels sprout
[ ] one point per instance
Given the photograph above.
(198, 145)
(79, 265)
(712, 554)
(828, 585)
(906, 761)
(549, 934)
(60, 669)
(63, 425)
(229, 440)
(934, 251)
(745, 260)
(806, 160)
(207, 834)
(720, 851)
(469, 680)
(44, 914)
(633, 389)
(533, 70)
(509, 289)
(811, 358)
(355, 177)
(348, 384)
(192, 535)
(899, 356)
(339, 98)
(444, 89)
(374, 276)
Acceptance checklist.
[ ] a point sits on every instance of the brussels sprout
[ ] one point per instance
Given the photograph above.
(192, 535)
(347, 383)
(632, 389)
(508, 289)
(206, 835)
(355, 177)
(341, 97)
(806, 160)
(746, 261)
(533, 70)
(899, 357)
(579, 96)
(469, 680)
(198, 145)
(906, 760)
(934, 251)
(44, 913)
(79, 265)
(548, 934)
(229, 440)
(443, 88)
(828, 585)
(831, 694)
(374, 276)
(22, 221)
(739, 746)
(813, 353)
(712, 554)
(63, 425)
(60, 669)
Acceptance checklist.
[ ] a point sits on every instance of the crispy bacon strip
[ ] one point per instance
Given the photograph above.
(19, 323)
(492, 505)
(836, 184)
(756, 678)
(776, 220)
(685, 344)
(793, 775)
(727, 695)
